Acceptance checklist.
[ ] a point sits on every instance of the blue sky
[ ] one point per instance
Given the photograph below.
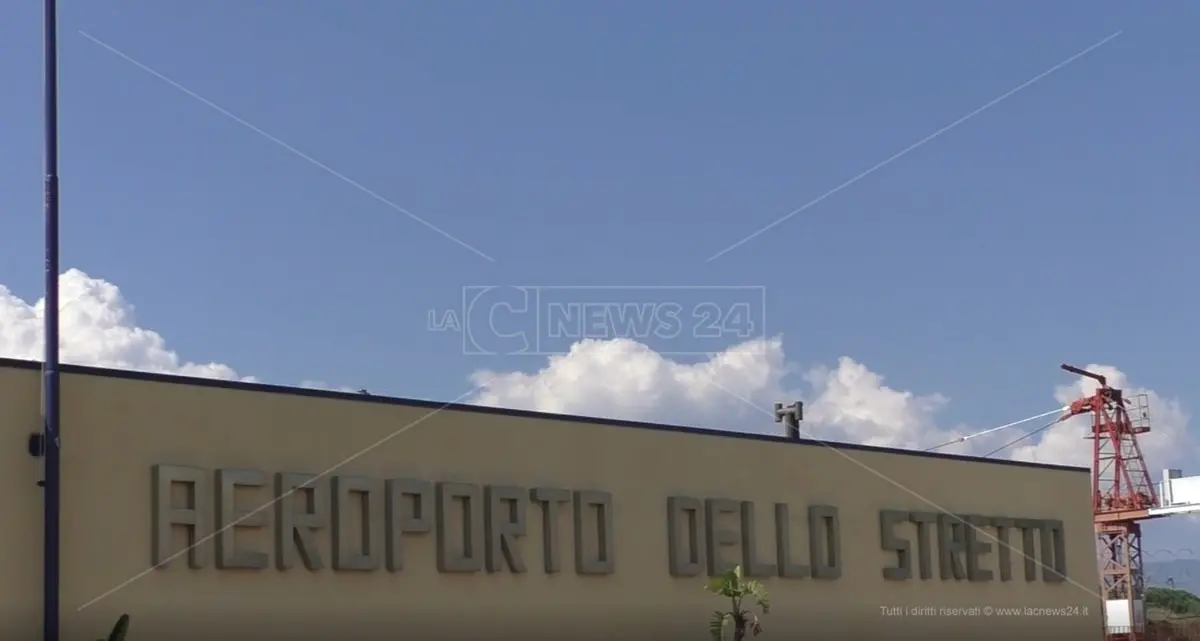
(624, 143)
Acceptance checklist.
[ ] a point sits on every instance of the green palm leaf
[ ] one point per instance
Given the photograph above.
(758, 592)
(716, 625)
(734, 586)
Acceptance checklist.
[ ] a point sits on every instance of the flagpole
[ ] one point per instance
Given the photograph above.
(50, 365)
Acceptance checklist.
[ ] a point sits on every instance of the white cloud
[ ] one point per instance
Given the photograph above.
(1168, 443)
(625, 379)
(732, 390)
(322, 385)
(96, 327)
(855, 402)
(848, 402)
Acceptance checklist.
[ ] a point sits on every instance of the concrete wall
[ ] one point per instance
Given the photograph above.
(118, 507)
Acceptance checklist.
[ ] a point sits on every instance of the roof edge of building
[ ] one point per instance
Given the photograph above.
(175, 379)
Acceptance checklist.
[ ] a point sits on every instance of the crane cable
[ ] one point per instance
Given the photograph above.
(997, 429)
(1022, 438)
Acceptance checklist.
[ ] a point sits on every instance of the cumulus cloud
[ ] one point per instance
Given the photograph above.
(848, 402)
(854, 401)
(96, 327)
(322, 385)
(1168, 443)
(625, 379)
(731, 390)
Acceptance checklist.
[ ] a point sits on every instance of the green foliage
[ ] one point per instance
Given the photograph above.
(119, 630)
(1179, 602)
(716, 627)
(737, 588)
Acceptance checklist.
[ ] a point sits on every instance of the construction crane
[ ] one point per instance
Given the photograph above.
(1123, 495)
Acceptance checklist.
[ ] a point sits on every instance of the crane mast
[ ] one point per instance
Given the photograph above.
(1123, 495)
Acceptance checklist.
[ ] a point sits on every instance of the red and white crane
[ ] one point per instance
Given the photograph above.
(1123, 495)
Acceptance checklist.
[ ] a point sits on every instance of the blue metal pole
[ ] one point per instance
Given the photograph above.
(50, 373)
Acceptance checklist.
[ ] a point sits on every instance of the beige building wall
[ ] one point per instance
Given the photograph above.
(118, 427)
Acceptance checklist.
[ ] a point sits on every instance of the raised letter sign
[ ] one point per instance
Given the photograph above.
(468, 499)
(1003, 548)
(230, 519)
(1029, 546)
(825, 541)
(750, 561)
(294, 528)
(952, 545)
(924, 522)
(1054, 552)
(783, 545)
(550, 499)
(504, 508)
(165, 515)
(716, 536)
(685, 536)
(402, 519)
(897, 545)
(595, 504)
(362, 555)
(978, 546)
